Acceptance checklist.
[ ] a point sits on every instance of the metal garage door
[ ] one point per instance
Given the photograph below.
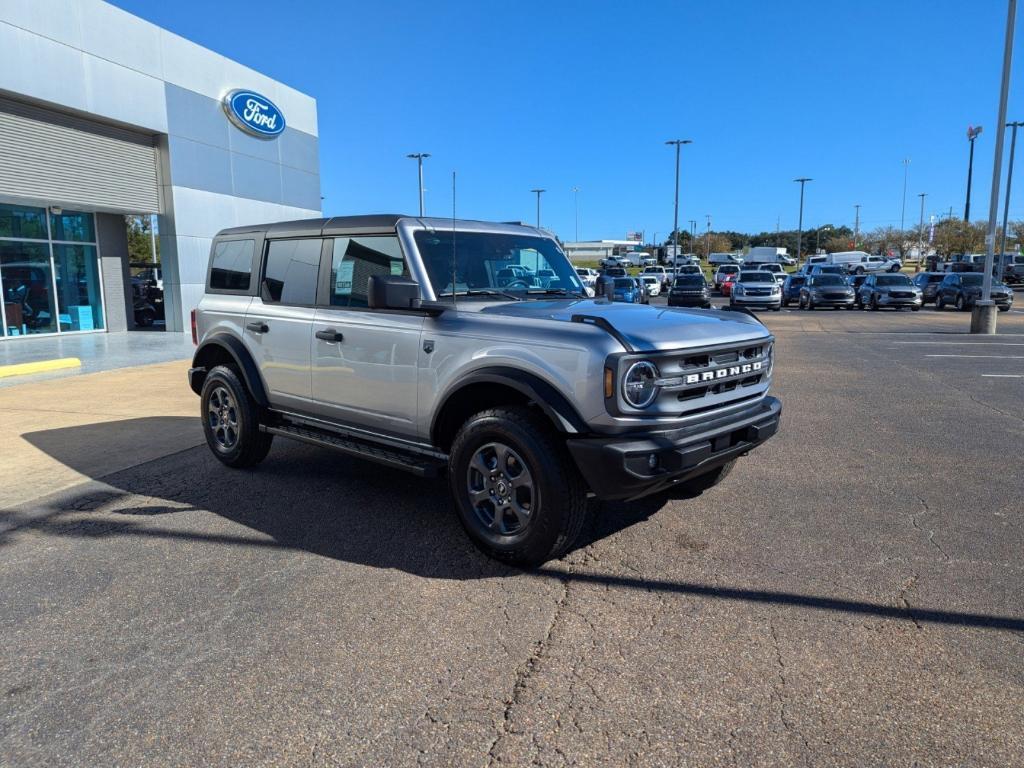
(46, 155)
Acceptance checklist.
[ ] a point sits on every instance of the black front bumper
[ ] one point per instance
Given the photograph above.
(619, 467)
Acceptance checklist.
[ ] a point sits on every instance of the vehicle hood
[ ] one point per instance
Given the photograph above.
(646, 328)
(769, 284)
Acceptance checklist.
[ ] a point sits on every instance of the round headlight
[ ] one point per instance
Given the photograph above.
(638, 386)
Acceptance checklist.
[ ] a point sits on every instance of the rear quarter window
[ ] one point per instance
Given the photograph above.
(231, 265)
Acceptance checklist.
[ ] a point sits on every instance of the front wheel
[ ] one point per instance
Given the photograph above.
(517, 493)
(939, 303)
(1005, 309)
(874, 303)
(961, 305)
(231, 420)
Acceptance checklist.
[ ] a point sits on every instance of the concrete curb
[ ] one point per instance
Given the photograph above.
(40, 366)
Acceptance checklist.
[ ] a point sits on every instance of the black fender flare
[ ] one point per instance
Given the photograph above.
(243, 360)
(547, 397)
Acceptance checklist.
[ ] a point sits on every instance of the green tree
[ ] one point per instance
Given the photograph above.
(140, 244)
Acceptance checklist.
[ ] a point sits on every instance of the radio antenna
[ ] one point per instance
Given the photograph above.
(455, 301)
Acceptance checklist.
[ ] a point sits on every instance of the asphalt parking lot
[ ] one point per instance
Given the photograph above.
(853, 594)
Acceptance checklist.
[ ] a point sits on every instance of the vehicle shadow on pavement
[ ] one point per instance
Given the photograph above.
(313, 500)
(301, 497)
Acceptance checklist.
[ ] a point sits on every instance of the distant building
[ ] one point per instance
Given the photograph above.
(588, 250)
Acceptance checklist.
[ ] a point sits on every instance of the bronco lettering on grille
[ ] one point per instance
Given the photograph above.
(724, 373)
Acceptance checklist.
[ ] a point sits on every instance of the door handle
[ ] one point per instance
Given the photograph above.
(329, 335)
(258, 327)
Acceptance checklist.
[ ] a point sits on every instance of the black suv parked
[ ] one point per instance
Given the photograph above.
(963, 289)
(689, 291)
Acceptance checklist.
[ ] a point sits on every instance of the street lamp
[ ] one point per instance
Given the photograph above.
(800, 227)
(817, 237)
(677, 143)
(576, 204)
(903, 210)
(1009, 179)
(856, 224)
(419, 157)
(920, 233)
(707, 238)
(972, 134)
(538, 193)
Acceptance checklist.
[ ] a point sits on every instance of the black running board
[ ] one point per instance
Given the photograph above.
(416, 463)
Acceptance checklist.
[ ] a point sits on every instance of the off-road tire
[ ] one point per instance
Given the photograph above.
(250, 446)
(559, 508)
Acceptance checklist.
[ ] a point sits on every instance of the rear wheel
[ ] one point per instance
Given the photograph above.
(517, 493)
(940, 304)
(960, 303)
(874, 303)
(231, 420)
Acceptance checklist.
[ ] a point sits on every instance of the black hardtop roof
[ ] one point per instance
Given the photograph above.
(375, 223)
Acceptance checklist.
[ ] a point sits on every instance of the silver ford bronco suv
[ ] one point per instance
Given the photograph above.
(467, 347)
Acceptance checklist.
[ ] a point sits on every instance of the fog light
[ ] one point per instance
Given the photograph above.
(652, 461)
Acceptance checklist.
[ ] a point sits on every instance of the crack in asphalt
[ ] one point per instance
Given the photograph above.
(779, 687)
(931, 531)
(524, 673)
(908, 585)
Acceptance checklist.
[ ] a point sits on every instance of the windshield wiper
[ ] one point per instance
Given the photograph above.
(482, 292)
(554, 292)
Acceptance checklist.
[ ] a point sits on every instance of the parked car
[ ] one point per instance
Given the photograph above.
(616, 261)
(791, 288)
(725, 287)
(660, 273)
(826, 290)
(724, 258)
(859, 262)
(855, 282)
(627, 289)
(1013, 268)
(828, 269)
(689, 291)
(645, 259)
(724, 271)
(689, 269)
(810, 263)
(652, 283)
(757, 288)
(896, 291)
(616, 272)
(963, 289)
(928, 282)
(776, 269)
(588, 276)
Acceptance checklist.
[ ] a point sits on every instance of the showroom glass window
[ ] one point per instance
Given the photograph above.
(49, 272)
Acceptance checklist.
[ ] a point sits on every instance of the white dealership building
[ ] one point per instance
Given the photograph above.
(103, 115)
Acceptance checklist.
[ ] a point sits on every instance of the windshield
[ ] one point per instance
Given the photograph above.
(486, 263)
(757, 277)
(625, 283)
(893, 280)
(796, 281)
(689, 280)
(827, 280)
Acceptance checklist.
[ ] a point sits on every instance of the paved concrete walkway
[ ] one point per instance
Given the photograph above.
(97, 351)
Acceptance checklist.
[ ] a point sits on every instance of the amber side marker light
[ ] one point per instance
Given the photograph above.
(609, 382)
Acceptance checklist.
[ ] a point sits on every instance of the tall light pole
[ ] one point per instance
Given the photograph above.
(707, 238)
(800, 227)
(920, 233)
(677, 143)
(983, 314)
(972, 134)
(856, 224)
(576, 203)
(903, 210)
(419, 157)
(538, 193)
(1009, 179)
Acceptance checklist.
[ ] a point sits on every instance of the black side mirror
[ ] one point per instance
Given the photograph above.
(393, 292)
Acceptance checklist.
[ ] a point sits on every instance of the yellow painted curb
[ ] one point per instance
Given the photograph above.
(23, 369)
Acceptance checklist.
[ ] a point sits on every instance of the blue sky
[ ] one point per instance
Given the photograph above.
(553, 94)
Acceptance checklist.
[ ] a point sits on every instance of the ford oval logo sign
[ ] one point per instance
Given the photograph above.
(256, 115)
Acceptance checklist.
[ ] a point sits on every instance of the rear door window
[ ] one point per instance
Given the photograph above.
(231, 265)
(290, 276)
